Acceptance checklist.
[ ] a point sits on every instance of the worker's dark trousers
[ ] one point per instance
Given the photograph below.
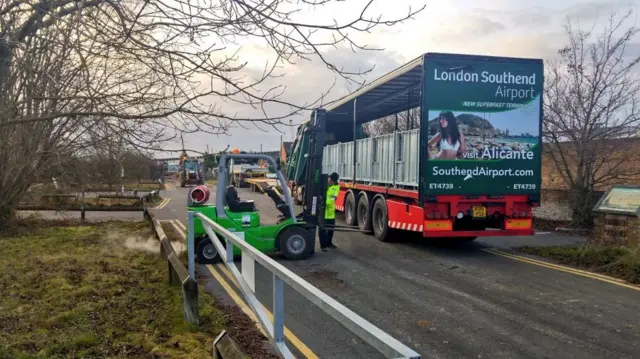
(326, 236)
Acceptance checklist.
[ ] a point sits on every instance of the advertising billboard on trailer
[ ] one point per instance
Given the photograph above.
(482, 121)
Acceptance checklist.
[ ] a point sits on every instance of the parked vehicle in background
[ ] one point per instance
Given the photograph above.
(191, 172)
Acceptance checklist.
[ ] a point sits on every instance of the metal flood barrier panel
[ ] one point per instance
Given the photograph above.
(391, 159)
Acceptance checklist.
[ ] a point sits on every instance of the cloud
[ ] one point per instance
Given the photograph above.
(466, 28)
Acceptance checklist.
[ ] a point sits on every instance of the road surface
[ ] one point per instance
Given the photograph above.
(476, 300)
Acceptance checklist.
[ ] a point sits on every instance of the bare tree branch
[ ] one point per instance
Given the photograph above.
(76, 75)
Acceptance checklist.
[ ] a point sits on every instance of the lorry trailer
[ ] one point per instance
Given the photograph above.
(469, 165)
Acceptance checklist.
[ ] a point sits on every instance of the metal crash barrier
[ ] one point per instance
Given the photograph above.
(374, 336)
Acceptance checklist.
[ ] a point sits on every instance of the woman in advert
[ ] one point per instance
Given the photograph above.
(449, 140)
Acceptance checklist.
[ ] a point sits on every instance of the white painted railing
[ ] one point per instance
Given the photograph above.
(374, 336)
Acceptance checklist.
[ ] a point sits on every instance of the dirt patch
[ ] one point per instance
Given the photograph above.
(617, 261)
(244, 331)
(324, 276)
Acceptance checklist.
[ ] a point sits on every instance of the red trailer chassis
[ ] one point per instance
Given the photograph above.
(445, 216)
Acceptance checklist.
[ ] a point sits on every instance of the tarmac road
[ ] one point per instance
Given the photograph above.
(476, 300)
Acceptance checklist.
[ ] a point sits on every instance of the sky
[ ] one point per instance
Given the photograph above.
(516, 28)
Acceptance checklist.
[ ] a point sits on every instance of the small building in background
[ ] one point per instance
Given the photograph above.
(285, 150)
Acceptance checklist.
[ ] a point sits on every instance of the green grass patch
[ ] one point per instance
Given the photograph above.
(94, 291)
(617, 261)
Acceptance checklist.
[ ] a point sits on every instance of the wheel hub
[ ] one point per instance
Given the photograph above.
(296, 244)
(210, 251)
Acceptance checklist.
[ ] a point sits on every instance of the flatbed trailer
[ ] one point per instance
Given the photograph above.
(406, 180)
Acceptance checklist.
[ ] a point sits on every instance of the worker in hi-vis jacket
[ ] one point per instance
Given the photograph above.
(326, 234)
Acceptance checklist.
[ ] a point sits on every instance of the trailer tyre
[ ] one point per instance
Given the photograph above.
(380, 219)
(295, 243)
(206, 252)
(350, 210)
(364, 213)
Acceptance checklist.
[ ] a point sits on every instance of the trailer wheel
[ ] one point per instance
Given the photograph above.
(295, 243)
(350, 210)
(364, 213)
(380, 219)
(206, 252)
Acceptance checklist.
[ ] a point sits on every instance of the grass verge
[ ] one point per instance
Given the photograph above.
(69, 290)
(620, 262)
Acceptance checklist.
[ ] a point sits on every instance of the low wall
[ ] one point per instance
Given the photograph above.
(555, 204)
(617, 229)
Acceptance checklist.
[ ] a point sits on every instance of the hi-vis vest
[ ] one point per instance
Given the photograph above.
(330, 207)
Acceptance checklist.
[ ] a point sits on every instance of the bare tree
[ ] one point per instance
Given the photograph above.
(591, 111)
(75, 72)
(406, 120)
(171, 48)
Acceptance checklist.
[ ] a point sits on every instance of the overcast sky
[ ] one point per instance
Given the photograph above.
(489, 27)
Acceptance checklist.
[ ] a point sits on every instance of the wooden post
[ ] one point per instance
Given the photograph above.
(224, 347)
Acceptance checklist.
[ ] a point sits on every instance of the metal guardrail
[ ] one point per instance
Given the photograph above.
(224, 346)
(178, 274)
(374, 336)
(83, 208)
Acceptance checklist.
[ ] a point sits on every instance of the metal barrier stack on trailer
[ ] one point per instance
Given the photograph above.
(390, 159)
